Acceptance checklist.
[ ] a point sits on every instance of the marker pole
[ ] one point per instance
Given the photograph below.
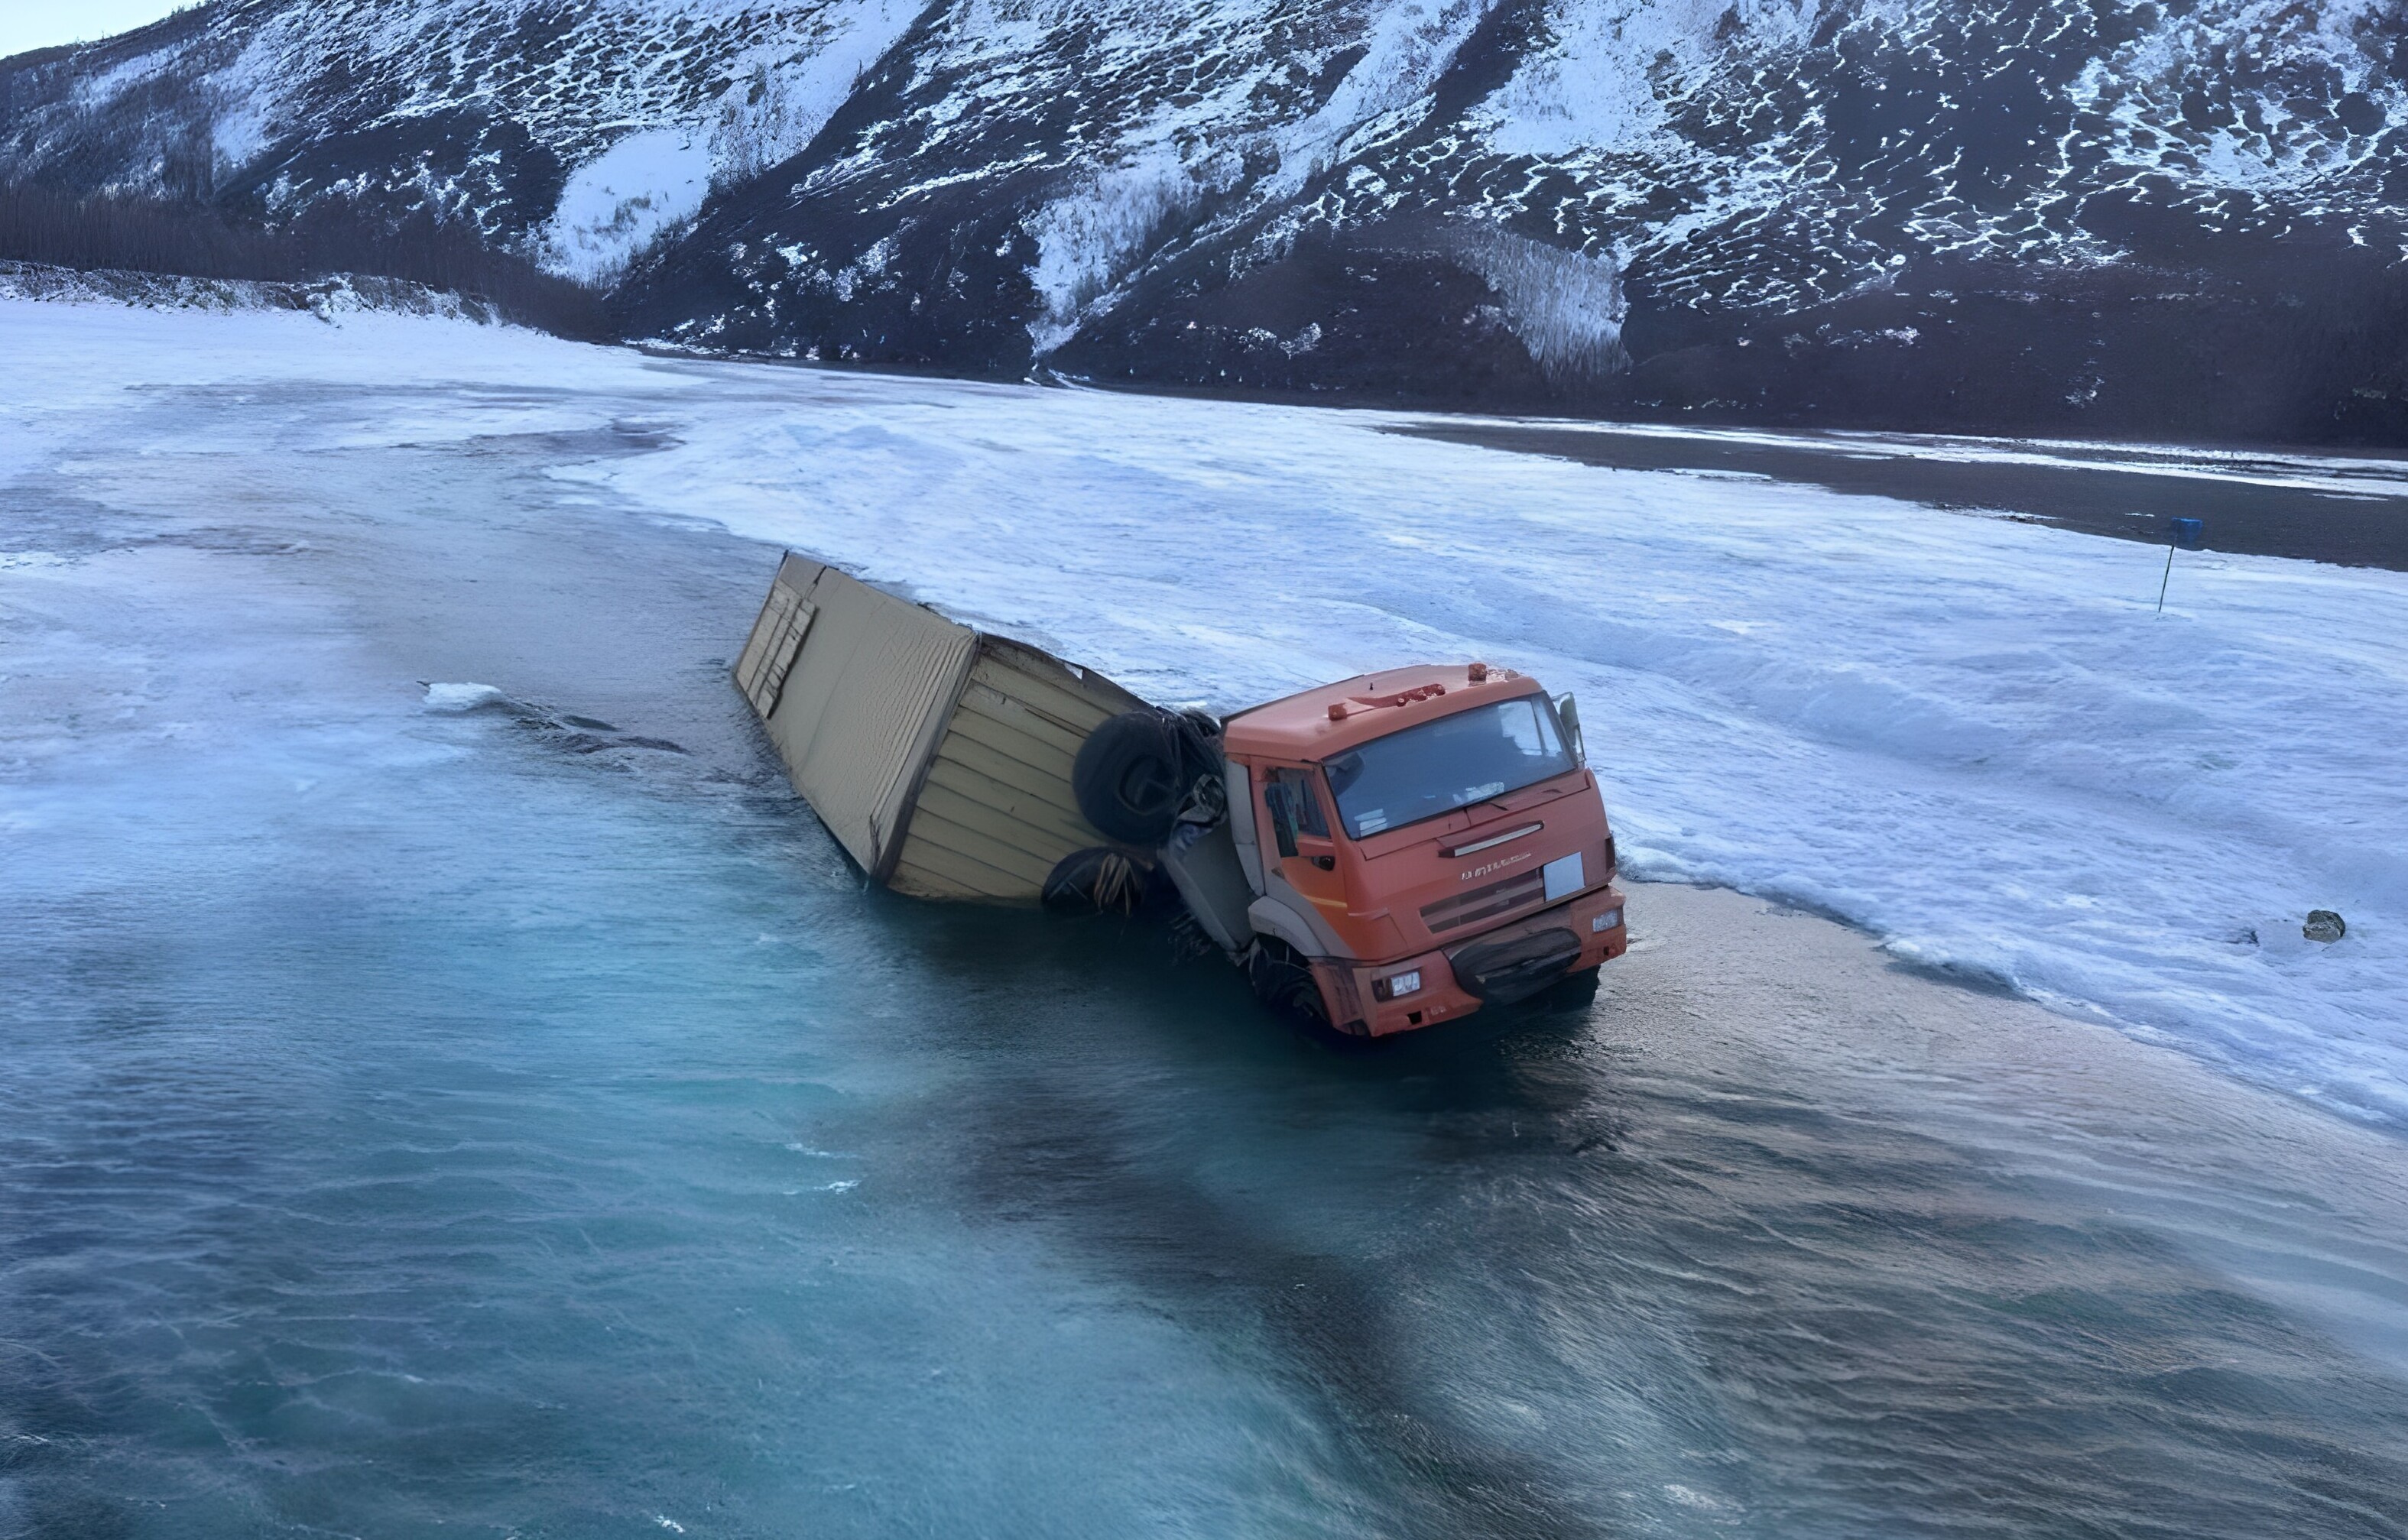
(2188, 534)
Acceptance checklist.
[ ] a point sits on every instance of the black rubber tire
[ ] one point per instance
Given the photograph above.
(1283, 981)
(1131, 776)
(1099, 881)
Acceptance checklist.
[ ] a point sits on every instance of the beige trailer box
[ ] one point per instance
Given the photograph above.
(939, 756)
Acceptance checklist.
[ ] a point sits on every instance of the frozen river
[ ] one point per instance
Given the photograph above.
(519, 1122)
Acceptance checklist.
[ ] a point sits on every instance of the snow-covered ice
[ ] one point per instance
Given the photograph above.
(1970, 736)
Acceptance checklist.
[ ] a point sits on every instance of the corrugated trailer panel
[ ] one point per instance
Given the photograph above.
(867, 693)
(1028, 740)
(941, 759)
(964, 748)
(770, 650)
(952, 877)
(1076, 699)
(955, 827)
(996, 811)
(1038, 823)
(777, 636)
(916, 660)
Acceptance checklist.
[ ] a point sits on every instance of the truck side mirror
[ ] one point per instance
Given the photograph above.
(1569, 709)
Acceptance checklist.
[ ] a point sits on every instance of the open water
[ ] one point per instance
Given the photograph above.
(499, 1122)
(2317, 507)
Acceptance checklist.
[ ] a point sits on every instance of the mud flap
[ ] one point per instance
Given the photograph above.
(1342, 999)
(1503, 972)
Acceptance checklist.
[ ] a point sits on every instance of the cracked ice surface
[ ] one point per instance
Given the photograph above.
(1970, 736)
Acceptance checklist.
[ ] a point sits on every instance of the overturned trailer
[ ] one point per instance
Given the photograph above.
(939, 756)
(1378, 854)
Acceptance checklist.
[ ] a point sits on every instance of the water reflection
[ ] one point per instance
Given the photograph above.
(1541, 1282)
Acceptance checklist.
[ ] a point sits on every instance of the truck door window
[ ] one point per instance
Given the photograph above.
(1293, 810)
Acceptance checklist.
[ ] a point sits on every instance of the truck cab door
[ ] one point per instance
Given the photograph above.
(1302, 850)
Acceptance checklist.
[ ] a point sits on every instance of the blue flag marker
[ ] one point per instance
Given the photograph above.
(2189, 534)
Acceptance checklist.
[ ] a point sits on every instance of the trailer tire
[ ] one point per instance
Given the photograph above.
(1099, 881)
(1284, 982)
(1133, 774)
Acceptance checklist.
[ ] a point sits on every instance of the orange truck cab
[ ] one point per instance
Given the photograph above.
(1418, 844)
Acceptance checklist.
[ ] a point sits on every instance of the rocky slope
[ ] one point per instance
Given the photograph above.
(2185, 218)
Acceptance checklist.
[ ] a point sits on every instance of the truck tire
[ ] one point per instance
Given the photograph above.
(1133, 774)
(1283, 981)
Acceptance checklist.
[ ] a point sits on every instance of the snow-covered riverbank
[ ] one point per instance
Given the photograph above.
(1969, 735)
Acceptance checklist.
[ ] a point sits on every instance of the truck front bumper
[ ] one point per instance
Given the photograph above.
(1366, 1000)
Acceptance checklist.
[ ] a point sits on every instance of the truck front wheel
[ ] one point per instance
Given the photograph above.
(1283, 981)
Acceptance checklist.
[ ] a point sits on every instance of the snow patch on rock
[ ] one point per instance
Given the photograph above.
(784, 93)
(247, 96)
(646, 183)
(238, 135)
(616, 204)
(2269, 129)
(1087, 241)
(1565, 306)
(1604, 83)
(1407, 46)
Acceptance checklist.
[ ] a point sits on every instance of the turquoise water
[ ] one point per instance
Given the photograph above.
(539, 1155)
(437, 1123)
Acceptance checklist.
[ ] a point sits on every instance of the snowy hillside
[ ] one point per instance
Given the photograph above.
(2081, 214)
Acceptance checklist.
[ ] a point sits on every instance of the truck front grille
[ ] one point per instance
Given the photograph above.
(1498, 898)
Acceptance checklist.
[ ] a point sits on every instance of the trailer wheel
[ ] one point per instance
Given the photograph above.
(1283, 981)
(1098, 882)
(1133, 773)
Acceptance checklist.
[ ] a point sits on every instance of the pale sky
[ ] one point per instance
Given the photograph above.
(38, 23)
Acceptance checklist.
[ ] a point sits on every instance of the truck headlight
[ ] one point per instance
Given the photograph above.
(1605, 921)
(1396, 984)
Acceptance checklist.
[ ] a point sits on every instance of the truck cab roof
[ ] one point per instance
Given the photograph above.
(1331, 719)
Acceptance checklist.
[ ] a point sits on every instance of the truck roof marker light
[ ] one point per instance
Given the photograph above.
(1478, 673)
(1402, 697)
(1337, 711)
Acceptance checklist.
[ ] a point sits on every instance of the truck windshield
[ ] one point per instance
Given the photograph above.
(1444, 764)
